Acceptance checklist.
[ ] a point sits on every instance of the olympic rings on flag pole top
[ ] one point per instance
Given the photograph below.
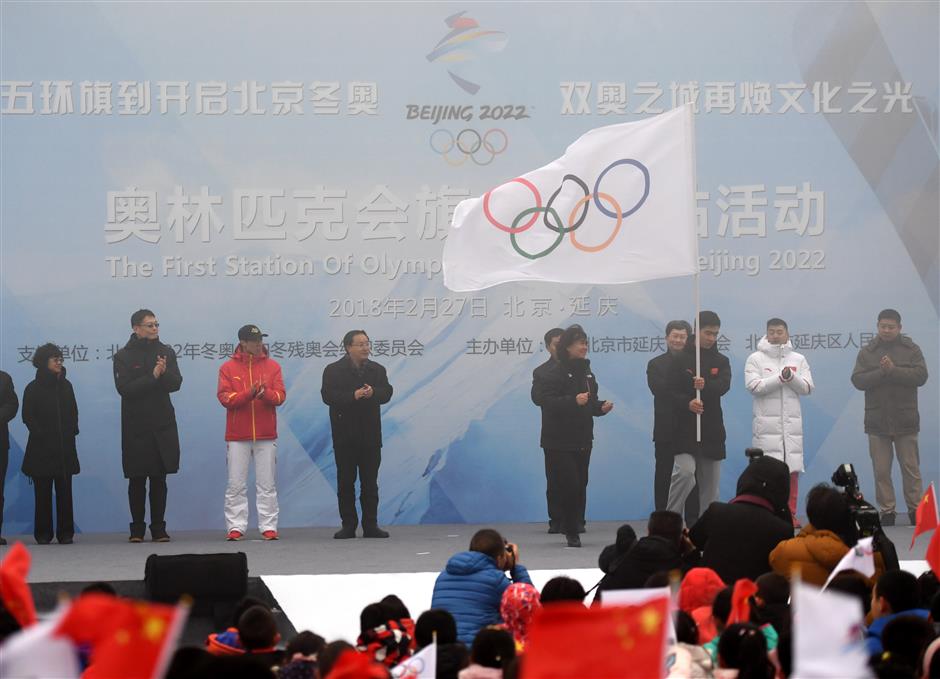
(468, 143)
(575, 220)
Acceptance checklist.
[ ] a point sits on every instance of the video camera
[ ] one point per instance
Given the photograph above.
(865, 514)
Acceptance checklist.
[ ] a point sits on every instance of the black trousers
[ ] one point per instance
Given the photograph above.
(662, 476)
(361, 461)
(4, 460)
(551, 493)
(137, 495)
(571, 469)
(42, 515)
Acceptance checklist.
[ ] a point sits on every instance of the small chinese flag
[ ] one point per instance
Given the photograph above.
(128, 638)
(927, 518)
(933, 553)
(14, 591)
(569, 641)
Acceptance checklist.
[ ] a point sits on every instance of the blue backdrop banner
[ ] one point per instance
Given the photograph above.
(297, 166)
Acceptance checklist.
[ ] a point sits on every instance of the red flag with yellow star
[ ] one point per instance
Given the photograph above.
(933, 553)
(569, 641)
(14, 591)
(129, 639)
(927, 517)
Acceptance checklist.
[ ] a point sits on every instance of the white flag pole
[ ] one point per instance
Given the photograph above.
(698, 351)
(698, 359)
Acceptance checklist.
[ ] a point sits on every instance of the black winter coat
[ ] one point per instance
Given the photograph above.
(9, 404)
(736, 538)
(565, 424)
(150, 442)
(659, 378)
(716, 369)
(355, 423)
(50, 413)
(649, 555)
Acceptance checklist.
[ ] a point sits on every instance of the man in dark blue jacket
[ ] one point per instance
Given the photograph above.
(471, 586)
(355, 388)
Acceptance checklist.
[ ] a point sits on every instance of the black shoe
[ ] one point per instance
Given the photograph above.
(887, 519)
(573, 540)
(374, 532)
(582, 529)
(345, 533)
(64, 540)
(913, 517)
(160, 537)
(43, 541)
(553, 529)
(3, 541)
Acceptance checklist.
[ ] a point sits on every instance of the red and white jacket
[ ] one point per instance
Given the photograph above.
(247, 418)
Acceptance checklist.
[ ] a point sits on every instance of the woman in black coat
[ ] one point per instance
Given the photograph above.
(50, 413)
(567, 391)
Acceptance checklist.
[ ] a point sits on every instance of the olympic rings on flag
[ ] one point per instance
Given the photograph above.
(469, 143)
(578, 213)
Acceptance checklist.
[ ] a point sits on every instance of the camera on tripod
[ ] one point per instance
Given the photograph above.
(865, 514)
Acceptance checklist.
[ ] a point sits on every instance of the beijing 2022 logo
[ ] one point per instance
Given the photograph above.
(468, 132)
(598, 198)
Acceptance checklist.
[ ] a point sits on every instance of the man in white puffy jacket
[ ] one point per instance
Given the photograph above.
(777, 376)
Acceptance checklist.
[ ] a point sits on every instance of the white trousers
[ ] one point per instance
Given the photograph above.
(684, 480)
(238, 457)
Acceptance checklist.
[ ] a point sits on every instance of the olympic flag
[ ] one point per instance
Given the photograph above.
(617, 207)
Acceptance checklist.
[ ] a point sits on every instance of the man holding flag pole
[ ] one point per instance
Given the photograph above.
(617, 207)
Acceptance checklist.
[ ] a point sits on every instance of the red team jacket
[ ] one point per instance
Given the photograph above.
(250, 419)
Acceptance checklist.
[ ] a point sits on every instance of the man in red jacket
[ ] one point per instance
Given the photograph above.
(250, 388)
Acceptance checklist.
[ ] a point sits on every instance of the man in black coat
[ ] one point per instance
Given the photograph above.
(9, 404)
(551, 471)
(698, 463)
(355, 388)
(665, 425)
(666, 547)
(145, 374)
(736, 538)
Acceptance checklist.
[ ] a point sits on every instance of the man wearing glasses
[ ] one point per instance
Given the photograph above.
(355, 388)
(145, 374)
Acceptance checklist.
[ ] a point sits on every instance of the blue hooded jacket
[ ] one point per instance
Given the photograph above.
(873, 635)
(470, 588)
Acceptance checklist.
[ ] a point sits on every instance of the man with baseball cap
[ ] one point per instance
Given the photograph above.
(251, 388)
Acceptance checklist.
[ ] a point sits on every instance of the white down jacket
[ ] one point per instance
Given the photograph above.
(778, 421)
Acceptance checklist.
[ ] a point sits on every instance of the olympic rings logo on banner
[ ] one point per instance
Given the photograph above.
(578, 213)
(469, 143)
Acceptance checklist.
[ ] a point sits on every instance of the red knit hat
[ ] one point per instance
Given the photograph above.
(699, 588)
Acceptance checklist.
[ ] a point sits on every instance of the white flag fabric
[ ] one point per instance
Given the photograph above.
(617, 207)
(860, 558)
(828, 634)
(36, 653)
(422, 665)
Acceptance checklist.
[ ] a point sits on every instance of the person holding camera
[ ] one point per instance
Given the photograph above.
(889, 369)
(777, 377)
(736, 538)
(145, 374)
(472, 583)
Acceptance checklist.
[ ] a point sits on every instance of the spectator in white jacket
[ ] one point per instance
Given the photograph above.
(777, 376)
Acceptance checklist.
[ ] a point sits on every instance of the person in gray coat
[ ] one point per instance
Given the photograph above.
(889, 369)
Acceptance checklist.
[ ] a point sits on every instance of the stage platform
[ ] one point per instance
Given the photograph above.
(322, 584)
